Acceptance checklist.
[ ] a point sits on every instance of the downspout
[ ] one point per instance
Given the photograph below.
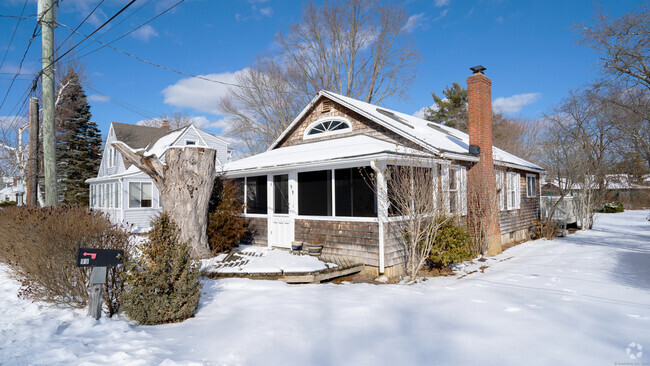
(380, 212)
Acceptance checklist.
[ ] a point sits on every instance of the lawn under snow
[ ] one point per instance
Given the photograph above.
(579, 300)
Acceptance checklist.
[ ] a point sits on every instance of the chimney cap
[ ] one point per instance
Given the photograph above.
(478, 69)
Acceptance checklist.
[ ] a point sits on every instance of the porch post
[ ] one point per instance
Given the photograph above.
(270, 195)
(382, 207)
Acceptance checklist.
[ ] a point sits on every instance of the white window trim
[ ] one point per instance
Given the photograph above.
(327, 133)
(514, 185)
(528, 188)
(502, 187)
(128, 195)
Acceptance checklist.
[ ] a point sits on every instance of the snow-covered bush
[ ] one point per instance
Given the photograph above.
(612, 207)
(162, 282)
(226, 226)
(452, 245)
(41, 245)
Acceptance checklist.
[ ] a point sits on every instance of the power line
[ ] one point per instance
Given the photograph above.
(131, 31)
(88, 36)
(13, 34)
(116, 25)
(80, 24)
(20, 66)
(168, 68)
(130, 107)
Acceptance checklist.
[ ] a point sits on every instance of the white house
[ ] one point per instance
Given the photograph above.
(126, 193)
(11, 189)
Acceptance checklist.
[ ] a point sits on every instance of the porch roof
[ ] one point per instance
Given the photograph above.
(318, 153)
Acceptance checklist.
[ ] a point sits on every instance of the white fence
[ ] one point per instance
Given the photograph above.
(567, 209)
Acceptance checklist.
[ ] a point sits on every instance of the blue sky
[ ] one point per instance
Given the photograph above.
(528, 48)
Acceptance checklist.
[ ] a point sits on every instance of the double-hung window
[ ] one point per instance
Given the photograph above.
(513, 196)
(140, 194)
(531, 185)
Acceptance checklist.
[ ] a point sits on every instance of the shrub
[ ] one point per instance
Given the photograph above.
(612, 207)
(162, 282)
(453, 243)
(226, 226)
(7, 203)
(544, 228)
(41, 245)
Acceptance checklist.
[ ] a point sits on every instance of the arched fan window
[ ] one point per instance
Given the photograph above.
(327, 127)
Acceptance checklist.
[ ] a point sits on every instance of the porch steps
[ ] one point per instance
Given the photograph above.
(344, 267)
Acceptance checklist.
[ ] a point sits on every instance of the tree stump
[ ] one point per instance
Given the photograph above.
(185, 183)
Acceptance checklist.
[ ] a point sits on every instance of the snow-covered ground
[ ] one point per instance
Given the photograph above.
(580, 300)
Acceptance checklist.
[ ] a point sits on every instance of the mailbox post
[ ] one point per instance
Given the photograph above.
(98, 260)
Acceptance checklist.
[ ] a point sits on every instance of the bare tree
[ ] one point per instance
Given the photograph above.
(412, 191)
(518, 136)
(482, 211)
(175, 120)
(580, 137)
(361, 49)
(624, 44)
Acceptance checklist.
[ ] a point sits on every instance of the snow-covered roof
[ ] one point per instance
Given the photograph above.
(321, 152)
(437, 138)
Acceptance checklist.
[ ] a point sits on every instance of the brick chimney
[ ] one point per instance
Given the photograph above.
(481, 187)
(165, 125)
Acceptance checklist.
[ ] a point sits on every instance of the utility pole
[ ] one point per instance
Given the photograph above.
(47, 18)
(32, 159)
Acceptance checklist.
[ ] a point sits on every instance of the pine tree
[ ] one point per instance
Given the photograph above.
(78, 142)
(450, 110)
(162, 283)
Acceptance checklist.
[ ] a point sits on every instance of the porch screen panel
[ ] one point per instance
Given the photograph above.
(281, 194)
(315, 193)
(256, 195)
(355, 194)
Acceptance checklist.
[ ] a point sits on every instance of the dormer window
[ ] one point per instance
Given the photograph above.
(190, 142)
(328, 126)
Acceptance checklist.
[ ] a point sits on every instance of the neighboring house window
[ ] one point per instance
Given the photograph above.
(531, 185)
(256, 196)
(116, 194)
(190, 142)
(354, 192)
(513, 183)
(140, 194)
(112, 157)
(327, 127)
(315, 193)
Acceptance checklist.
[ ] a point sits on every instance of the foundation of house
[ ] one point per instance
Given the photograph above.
(398, 270)
(515, 236)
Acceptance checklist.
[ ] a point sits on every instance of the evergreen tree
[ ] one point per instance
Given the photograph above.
(162, 283)
(450, 110)
(78, 145)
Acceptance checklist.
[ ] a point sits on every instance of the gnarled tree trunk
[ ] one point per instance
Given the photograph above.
(185, 182)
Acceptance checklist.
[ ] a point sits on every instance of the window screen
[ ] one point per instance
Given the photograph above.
(315, 193)
(355, 194)
(281, 194)
(256, 200)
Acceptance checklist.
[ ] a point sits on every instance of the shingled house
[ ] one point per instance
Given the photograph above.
(127, 194)
(310, 181)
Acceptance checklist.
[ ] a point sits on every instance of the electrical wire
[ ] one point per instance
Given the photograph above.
(20, 66)
(131, 31)
(13, 34)
(130, 107)
(115, 26)
(169, 68)
(88, 36)
(80, 24)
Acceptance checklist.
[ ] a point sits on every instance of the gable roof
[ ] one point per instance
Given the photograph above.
(439, 139)
(137, 137)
